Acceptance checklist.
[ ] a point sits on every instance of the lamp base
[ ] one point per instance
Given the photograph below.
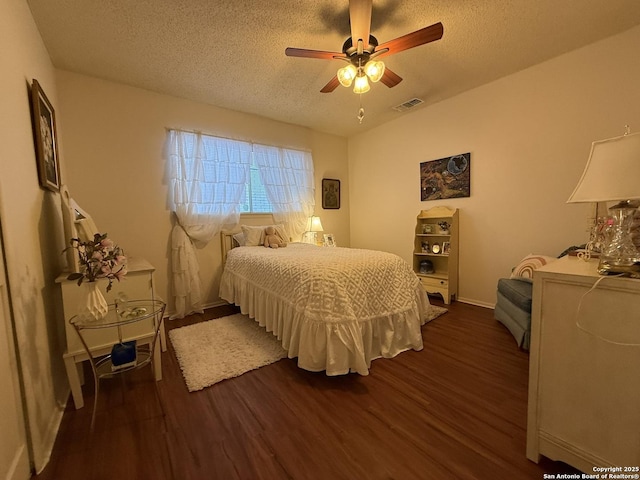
(310, 237)
(620, 256)
(611, 267)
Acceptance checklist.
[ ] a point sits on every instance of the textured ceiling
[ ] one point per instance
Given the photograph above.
(230, 53)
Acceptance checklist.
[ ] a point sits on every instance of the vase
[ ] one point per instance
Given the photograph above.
(95, 306)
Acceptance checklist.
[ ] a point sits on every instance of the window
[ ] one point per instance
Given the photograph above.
(207, 187)
(213, 180)
(255, 195)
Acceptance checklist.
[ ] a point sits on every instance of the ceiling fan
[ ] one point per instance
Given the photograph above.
(362, 50)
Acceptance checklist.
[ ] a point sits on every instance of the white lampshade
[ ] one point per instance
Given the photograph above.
(374, 70)
(361, 84)
(346, 75)
(314, 224)
(612, 171)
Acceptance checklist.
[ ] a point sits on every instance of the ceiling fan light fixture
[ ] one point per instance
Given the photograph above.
(374, 70)
(346, 75)
(362, 48)
(361, 83)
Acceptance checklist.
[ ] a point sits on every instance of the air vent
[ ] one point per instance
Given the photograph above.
(403, 107)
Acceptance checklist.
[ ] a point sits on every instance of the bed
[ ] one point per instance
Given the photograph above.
(335, 309)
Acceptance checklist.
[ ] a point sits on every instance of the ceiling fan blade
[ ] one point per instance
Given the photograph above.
(301, 52)
(414, 39)
(360, 19)
(389, 78)
(331, 86)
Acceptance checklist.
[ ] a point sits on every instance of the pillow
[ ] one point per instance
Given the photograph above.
(528, 264)
(238, 240)
(254, 235)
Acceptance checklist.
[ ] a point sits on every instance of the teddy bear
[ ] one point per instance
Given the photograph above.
(272, 238)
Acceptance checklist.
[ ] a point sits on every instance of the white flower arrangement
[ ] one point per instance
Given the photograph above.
(99, 258)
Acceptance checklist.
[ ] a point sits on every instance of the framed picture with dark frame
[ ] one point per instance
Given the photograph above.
(46, 138)
(330, 193)
(448, 177)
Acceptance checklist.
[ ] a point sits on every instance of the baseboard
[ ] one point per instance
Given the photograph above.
(477, 303)
(49, 438)
(219, 303)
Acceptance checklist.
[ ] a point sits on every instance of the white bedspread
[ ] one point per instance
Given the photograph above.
(336, 309)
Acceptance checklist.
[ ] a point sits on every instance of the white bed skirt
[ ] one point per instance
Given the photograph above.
(320, 345)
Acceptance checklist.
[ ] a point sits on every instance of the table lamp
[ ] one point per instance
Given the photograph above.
(613, 174)
(313, 226)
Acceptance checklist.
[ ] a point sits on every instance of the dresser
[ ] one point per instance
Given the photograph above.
(584, 372)
(136, 285)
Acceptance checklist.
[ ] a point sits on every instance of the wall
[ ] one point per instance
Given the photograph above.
(114, 138)
(31, 226)
(529, 135)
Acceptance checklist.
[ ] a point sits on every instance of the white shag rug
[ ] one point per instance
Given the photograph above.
(212, 351)
(435, 312)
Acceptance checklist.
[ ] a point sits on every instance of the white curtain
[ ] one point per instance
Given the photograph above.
(207, 177)
(287, 176)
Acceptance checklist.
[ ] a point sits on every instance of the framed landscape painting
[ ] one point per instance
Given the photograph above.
(46, 138)
(448, 177)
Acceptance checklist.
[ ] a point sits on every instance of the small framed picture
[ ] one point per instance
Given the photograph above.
(426, 248)
(329, 241)
(330, 193)
(446, 247)
(46, 138)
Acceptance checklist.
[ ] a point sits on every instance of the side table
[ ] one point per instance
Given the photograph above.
(126, 320)
(138, 284)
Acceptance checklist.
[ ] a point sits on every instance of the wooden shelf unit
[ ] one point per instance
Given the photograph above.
(438, 247)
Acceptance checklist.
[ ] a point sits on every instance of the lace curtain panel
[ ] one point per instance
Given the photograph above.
(206, 178)
(287, 176)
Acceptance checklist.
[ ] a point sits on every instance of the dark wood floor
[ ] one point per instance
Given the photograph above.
(455, 410)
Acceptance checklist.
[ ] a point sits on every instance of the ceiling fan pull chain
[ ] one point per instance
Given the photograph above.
(361, 111)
